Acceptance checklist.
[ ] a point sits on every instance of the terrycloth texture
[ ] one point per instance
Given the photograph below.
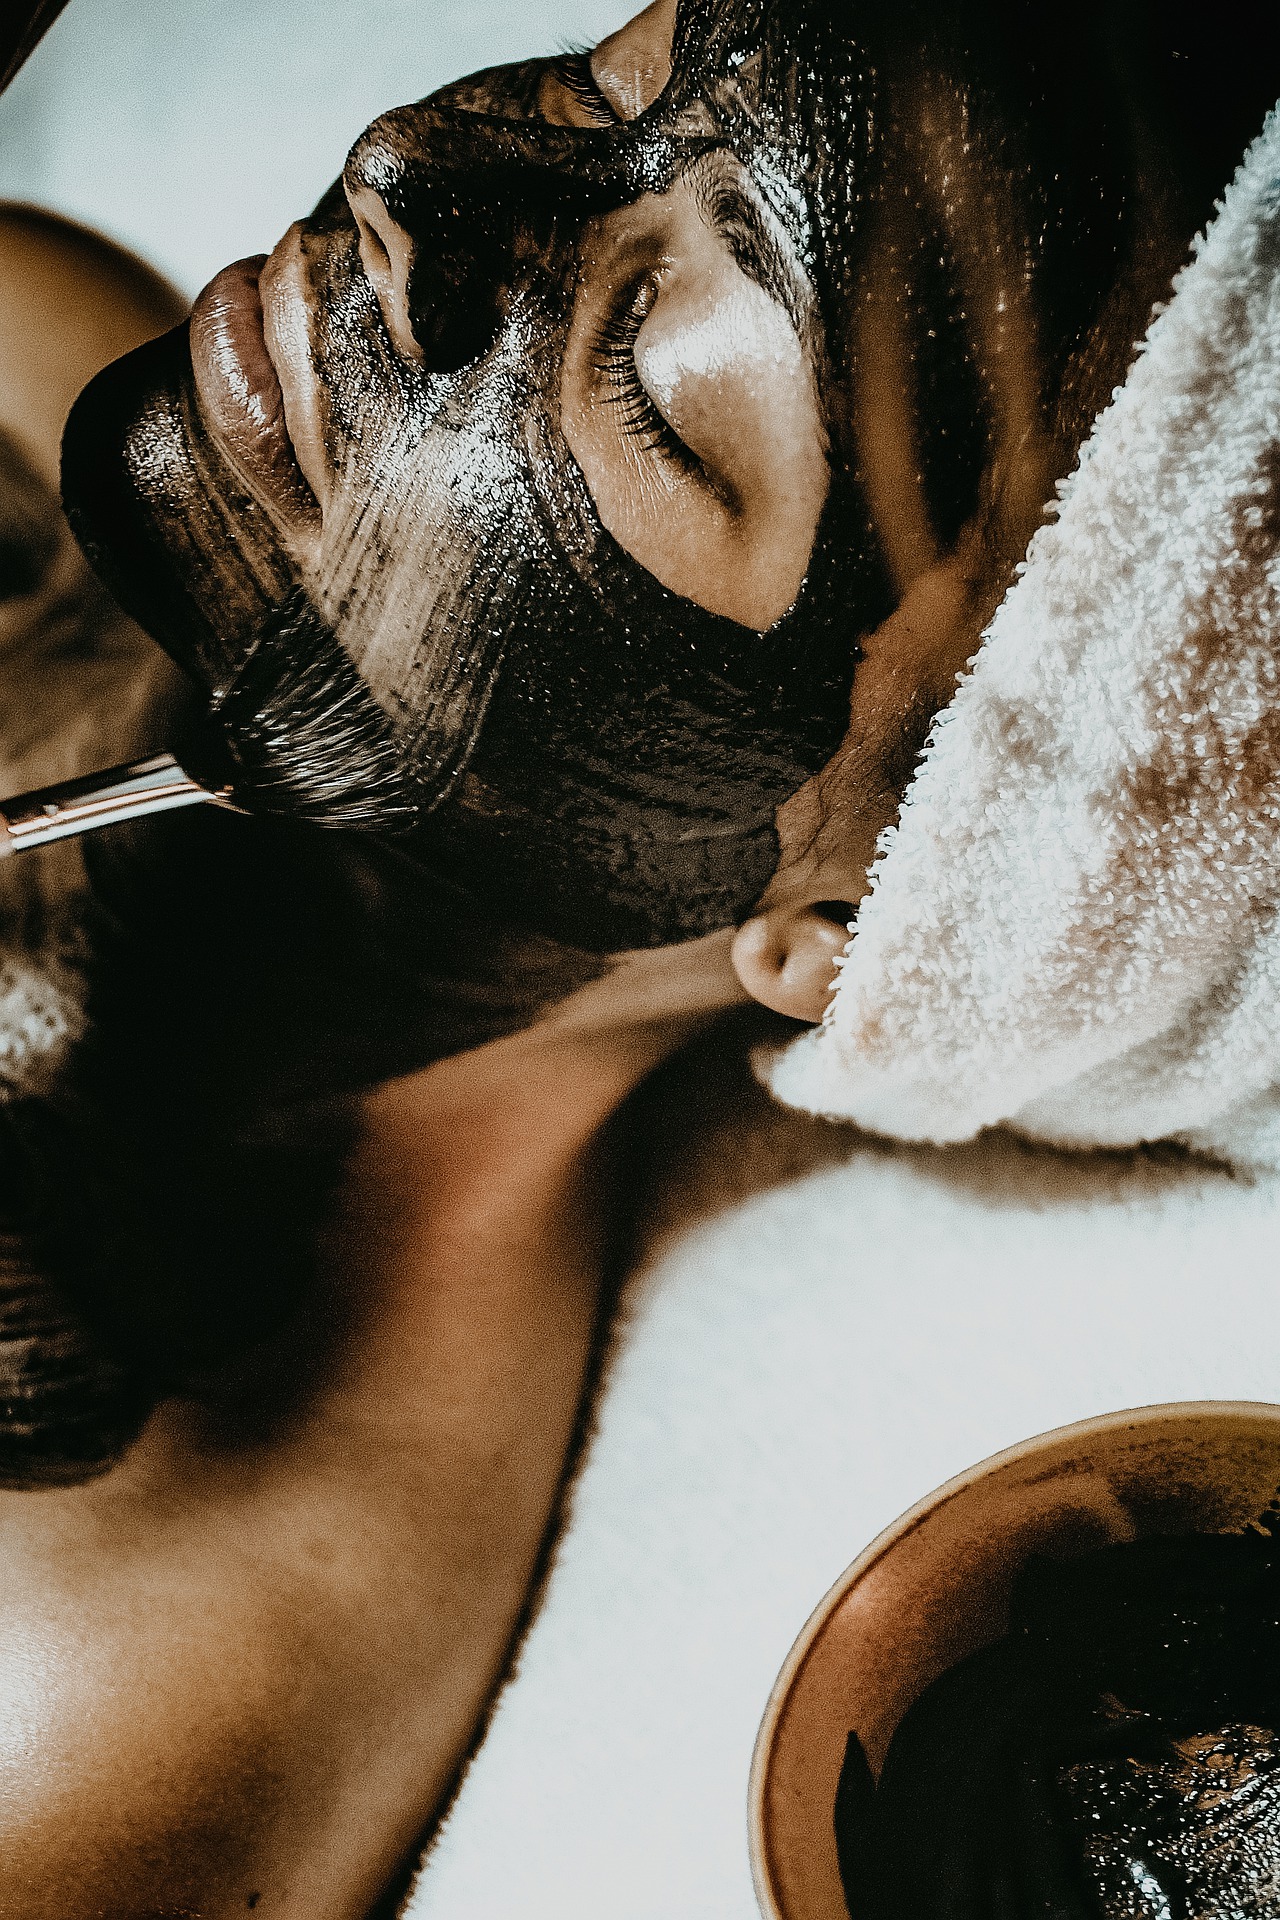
(1073, 928)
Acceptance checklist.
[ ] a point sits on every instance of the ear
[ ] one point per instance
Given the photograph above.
(786, 957)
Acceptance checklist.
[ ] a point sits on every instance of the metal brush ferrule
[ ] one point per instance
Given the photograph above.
(101, 799)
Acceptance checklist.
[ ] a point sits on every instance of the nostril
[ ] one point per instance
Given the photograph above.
(439, 287)
(456, 310)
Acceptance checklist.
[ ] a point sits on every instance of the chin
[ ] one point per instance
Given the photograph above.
(165, 524)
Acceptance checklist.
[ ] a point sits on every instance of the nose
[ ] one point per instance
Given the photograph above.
(435, 245)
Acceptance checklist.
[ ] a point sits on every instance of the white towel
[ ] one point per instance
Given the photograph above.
(1073, 927)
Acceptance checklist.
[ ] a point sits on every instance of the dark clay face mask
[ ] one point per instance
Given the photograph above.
(585, 752)
(1115, 1757)
(963, 186)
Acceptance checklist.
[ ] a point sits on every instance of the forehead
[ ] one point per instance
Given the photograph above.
(659, 61)
(723, 78)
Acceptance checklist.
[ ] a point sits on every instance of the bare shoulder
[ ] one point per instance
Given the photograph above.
(188, 1674)
(241, 1671)
(71, 300)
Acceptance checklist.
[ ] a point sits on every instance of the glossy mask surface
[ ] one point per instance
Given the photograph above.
(967, 208)
(592, 753)
(1115, 1757)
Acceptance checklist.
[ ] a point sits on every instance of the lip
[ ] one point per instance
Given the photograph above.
(240, 394)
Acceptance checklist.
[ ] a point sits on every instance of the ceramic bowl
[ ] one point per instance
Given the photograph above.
(936, 1585)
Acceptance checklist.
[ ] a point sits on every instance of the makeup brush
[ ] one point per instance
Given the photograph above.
(154, 785)
(295, 733)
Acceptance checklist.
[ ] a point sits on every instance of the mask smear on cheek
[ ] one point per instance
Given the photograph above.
(415, 564)
(595, 755)
(579, 750)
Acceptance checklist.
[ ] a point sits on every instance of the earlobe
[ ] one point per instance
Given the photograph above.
(786, 957)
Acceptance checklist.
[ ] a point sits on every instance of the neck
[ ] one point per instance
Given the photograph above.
(477, 1204)
(388, 1534)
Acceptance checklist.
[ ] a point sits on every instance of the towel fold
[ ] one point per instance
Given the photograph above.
(1074, 927)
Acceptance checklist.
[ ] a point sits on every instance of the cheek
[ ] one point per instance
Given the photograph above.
(829, 830)
(431, 500)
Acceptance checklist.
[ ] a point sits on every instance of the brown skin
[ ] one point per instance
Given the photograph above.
(72, 302)
(249, 1661)
(242, 1670)
(732, 527)
(785, 954)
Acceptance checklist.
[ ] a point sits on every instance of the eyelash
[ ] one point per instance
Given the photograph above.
(613, 355)
(573, 71)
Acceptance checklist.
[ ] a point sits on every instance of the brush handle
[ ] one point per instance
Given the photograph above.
(100, 800)
(25, 24)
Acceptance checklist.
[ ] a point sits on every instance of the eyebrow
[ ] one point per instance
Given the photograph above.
(744, 227)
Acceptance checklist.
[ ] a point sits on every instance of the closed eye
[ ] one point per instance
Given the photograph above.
(573, 71)
(688, 401)
(613, 356)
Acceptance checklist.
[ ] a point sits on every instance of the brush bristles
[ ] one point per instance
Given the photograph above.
(306, 736)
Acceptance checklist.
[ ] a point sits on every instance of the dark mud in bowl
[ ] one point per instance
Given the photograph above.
(938, 1586)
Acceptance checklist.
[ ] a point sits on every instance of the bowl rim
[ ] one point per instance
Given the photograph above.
(899, 1529)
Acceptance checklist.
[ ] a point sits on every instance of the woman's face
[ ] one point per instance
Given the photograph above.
(672, 348)
(529, 411)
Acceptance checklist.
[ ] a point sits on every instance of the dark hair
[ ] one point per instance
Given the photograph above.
(160, 1199)
(1125, 1734)
(228, 986)
(66, 1407)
